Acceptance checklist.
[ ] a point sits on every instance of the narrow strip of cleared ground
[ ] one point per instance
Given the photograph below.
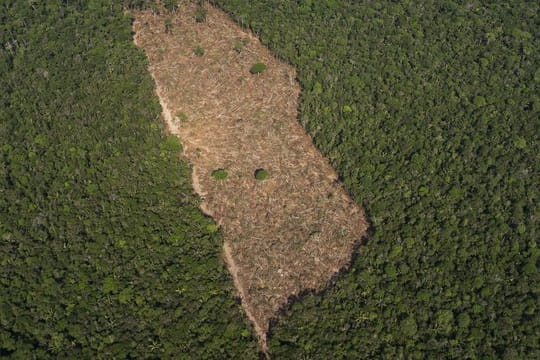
(286, 229)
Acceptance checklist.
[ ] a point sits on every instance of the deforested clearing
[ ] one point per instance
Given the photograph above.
(287, 223)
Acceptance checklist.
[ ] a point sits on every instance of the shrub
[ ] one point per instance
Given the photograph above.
(257, 68)
(171, 5)
(181, 116)
(199, 50)
(220, 174)
(200, 13)
(261, 174)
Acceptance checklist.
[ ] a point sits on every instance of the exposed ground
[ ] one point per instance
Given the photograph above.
(287, 233)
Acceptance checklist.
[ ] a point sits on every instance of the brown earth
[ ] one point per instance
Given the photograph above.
(288, 233)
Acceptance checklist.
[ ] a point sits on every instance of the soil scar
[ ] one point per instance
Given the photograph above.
(288, 233)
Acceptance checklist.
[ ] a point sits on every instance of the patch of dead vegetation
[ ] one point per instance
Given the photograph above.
(287, 233)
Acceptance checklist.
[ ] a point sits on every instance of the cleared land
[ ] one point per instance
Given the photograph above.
(289, 232)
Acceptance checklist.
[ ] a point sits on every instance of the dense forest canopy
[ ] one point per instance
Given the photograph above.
(103, 251)
(430, 111)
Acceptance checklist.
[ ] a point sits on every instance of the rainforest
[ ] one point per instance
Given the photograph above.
(428, 111)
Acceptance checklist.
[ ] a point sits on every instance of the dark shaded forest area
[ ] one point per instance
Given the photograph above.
(104, 253)
(430, 112)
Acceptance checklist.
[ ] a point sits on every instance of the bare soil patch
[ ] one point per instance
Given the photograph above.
(287, 229)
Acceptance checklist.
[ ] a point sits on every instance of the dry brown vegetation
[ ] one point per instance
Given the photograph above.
(285, 234)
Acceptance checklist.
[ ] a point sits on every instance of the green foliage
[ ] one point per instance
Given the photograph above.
(200, 12)
(172, 144)
(182, 116)
(409, 327)
(430, 115)
(170, 5)
(199, 50)
(103, 250)
(257, 68)
(220, 174)
(261, 174)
